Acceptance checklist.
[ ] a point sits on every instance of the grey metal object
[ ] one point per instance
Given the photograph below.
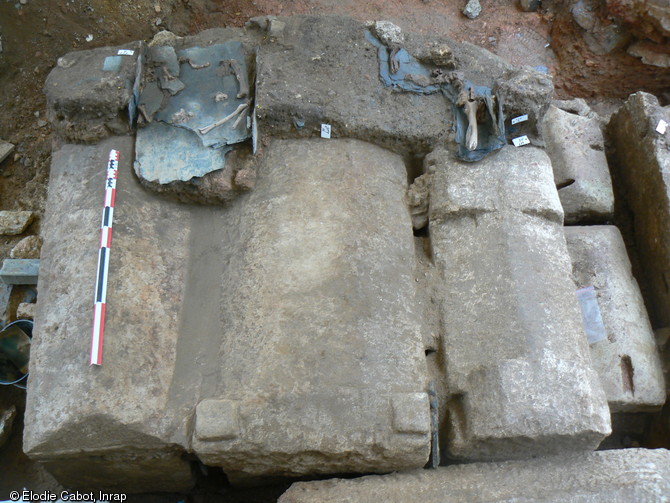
(16, 271)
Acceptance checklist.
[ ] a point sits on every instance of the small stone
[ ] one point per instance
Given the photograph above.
(276, 27)
(23, 2)
(6, 148)
(649, 54)
(13, 223)
(157, 8)
(26, 311)
(6, 421)
(28, 247)
(245, 179)
(41, 123)
(89, 38)
(529, 5)
(164, 37)
(388, 33)
(472, 9)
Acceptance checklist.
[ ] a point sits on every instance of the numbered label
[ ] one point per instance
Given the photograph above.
(325, 130)
(125, 52)
(520, 141)
(520, 118)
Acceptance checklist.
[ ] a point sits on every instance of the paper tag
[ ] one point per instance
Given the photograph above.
(521, 140)
(591, 317)
(662, 127)
(325, 130)
(125, 52)
(520, 118)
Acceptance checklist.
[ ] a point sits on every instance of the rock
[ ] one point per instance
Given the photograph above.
(628, 361)
(7, 417)
(584, 13)
(641, 162)
(577, 106)
(329, 224)
(389, 33)
(472, 9)
(418, 197)
(576, 148)
(436, 53)
(89, 92)
(28, 247)
(127, 435)
(650, 53)
(25, 311)
(497, 239)
(647, 19)
(594, 477)
(20, 271)
(6, 148)
(13, 223)
(529, 5)
(525, 91)
(164, 37)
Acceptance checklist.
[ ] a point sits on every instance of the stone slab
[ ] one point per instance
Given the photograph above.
(576, 148)
(628, 360)
(324, 363)
(517, 362)
(641, 162)
(6, 148)
(112, 426)
(322, 70)
(20, 271)
(594, 477)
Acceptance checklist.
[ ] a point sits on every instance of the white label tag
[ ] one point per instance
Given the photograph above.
(125, 52)
(662, 127)
(521, 140)
(325, 130)
(520, 118)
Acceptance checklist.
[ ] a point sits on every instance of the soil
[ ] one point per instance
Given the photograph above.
(36, 32)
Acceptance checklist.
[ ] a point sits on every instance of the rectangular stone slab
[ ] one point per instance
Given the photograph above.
(642, 166)
(576, 148)
(595, 477)
(109, 426)
(20, 271)
(322, 363)
(627, 361)
(516, 358)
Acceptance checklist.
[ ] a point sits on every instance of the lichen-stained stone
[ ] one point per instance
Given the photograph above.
(593, 477)
(322, 364)
(516, 357)
(108, 426)
(628, 361)
(576, 148)
(641, 163)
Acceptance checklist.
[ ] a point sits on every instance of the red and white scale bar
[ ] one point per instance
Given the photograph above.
(103, 259)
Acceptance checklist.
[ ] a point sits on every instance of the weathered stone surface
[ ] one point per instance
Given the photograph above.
(324, 364)
(20, 271)
(25, 311)
(641, 162)
(305, 75)
(650, 53)
(116, 425)
(594, 477)
(6, 148)
(472, 9)
(576, 147)
(14, 222)
(517, 362)
(525, 91)
(88, 93)
(628, 361)
(28, 247)
(7, 417)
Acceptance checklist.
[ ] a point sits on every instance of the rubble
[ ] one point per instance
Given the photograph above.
(627, 361)
(6, 148)
(472, 9)
(13, 223)
(594, 477)
(576, 147)
(497, 239)
(25, 311)
(28, 247)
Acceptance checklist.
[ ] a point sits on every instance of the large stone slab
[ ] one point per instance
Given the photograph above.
(517, 361)
(641, 160)
(627, 361)
(109, 426)
(323, 367)
(595, 477)
(576, 147)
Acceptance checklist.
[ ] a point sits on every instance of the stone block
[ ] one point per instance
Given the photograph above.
(576, 148)
(114, 426)
(321, 342)
(517, 362)
(20, 271)
(6, 148)
(627, 361)
(89, 92)
(593, 477)
(641, 164)
(13, 223)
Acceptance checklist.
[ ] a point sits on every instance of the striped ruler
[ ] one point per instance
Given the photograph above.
(103, 259)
